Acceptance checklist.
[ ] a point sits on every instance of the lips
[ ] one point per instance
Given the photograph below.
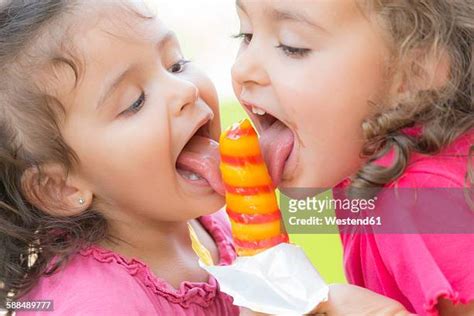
(276, 142)
(198, 162)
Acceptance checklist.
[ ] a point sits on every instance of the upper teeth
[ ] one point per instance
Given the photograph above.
(258, 111)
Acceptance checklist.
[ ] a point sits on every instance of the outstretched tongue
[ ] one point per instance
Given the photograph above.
(199, 163)
(276, 143)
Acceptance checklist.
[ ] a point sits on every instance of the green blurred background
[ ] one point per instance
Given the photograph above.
(324, 250)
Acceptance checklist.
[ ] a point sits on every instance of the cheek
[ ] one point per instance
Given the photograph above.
(332, 92)
(327, 101)
(127, 157)
(143, 146)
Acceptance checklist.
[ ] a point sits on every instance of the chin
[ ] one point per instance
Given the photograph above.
(301, 193)
(301, 187)
(211, 204)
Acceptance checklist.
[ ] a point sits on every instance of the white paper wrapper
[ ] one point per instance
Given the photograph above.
(280, 280)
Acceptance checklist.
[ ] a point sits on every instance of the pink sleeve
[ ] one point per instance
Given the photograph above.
(427, 267)
(86, 287)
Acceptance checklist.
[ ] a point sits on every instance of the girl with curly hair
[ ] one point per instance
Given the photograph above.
(365, 95)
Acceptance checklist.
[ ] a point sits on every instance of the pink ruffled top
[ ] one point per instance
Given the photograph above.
(98, 281)
(418, 269)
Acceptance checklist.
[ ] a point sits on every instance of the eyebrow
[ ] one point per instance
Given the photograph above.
(113, 83)
(284, 15)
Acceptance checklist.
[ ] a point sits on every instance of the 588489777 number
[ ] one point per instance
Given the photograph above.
(37, 305)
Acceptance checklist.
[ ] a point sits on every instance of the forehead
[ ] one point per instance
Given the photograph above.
(328, 12)
(115, 21)
(95, 33)
(120, 20)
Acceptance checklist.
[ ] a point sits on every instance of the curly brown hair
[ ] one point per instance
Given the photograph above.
(418, 31)
(34, 36)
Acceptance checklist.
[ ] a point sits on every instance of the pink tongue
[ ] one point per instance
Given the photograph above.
(201, 156)
(276, 143)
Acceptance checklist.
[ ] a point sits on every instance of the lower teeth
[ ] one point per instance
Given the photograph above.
(191, 175)
(194, 176)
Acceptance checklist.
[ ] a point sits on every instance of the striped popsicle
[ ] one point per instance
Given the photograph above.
(251, 202)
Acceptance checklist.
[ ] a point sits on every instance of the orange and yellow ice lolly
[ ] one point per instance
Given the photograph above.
(251, 202)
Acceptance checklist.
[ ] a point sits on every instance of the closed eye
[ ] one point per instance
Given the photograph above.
(294, 51)
(135, 106)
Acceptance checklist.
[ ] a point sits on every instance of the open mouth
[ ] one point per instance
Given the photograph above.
(276, 141)
(198, 162)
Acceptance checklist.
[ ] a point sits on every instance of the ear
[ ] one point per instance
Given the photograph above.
(422, 71)
(54, 191)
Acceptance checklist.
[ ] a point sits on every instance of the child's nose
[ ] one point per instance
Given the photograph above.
(249, 68)
(182, 93)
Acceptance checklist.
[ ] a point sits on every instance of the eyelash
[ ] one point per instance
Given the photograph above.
(138, 104)
(290, 51)
(133, 108)
(294, 51)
